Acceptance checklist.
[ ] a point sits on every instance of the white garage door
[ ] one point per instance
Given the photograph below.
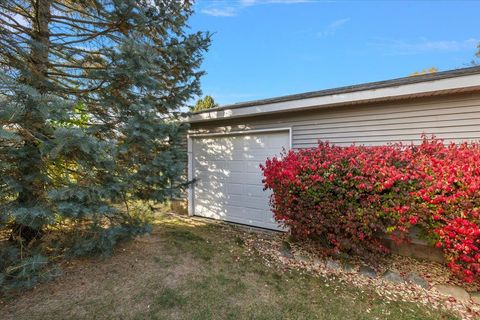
(229, 180)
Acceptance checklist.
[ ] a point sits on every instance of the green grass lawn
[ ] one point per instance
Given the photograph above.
(193, 270)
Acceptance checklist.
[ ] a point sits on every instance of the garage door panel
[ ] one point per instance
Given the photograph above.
(235, 166)
(229, 185)
(235, 199)
(237, 211)
(213, 174)
(209, 164)
(207, 211)
(244, 177)
(255, 203)
(259, 215)
(252, 166)
(254, 217)
(253, 142)
(235, 188)
(239, 154)
(214, 153)
(248, 216)
(261, 156)
(255, 191)
(208, 180)
(209, 198)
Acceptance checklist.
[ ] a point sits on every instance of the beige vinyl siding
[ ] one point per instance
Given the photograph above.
(453, 118)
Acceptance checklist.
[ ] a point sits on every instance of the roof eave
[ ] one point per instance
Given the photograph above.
(434, 85)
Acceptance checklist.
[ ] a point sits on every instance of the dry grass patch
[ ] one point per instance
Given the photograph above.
(189, 269)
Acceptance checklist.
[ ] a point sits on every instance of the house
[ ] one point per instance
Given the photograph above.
(227, 144)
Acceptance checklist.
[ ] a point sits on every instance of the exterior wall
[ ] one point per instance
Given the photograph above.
(452, 117)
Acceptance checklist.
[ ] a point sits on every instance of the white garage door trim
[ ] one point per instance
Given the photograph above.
(190, 137)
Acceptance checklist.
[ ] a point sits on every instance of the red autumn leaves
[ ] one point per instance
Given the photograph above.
(348, 198)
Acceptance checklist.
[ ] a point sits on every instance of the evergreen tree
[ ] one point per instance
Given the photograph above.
(90, 92)
(475, 62)
(204, 104)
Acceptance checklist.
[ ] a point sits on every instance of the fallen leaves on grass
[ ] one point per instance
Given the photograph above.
(269, 246)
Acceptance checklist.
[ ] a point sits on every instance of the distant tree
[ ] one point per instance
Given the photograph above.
(424, 71)
(90, 94)
(205, 103)
(475, 61)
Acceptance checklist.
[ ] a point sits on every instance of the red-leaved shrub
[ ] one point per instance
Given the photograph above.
(460, 240)
(349, 198)
(448, 202)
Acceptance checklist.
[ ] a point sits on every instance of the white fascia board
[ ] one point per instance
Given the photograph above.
(400, 91)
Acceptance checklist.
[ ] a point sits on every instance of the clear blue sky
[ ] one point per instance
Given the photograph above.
(270, 48)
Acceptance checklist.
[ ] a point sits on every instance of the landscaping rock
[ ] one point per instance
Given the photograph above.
(286, 254)
(418, 280)
(456, 292)
(348, 268)
(286, 250)
(317, 262)
(393, 276)
(367, 272)
(333, 265)
(302, 258)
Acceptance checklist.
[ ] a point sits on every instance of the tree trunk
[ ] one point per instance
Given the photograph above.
(31, 166)
(41, 37)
